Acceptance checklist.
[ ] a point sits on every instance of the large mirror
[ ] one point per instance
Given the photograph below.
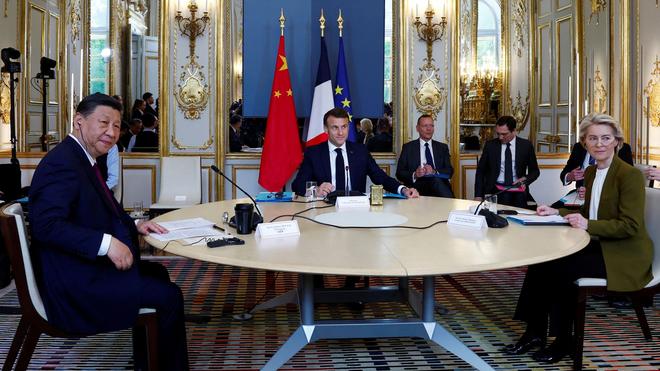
(483, 71)
(123, 62)
(245, 131)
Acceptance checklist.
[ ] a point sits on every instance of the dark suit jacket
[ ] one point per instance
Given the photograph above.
(380, 143)
(409, 161)
(578, 153)
(235, 143)
(627, 248)
(146, 141)
(150, 110)
(69, 212)
(488, 168)
(316, 167)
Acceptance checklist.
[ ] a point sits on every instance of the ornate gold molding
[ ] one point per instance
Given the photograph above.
(519, 110)
(75, 20)
(428, 96)
(600, 93)
(652, 90)
(519, 26)
(597, 6)
(5, 103)
(6, 8)
(206, 145)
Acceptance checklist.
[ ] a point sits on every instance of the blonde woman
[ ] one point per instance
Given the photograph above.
(620, 248)
(367, 131)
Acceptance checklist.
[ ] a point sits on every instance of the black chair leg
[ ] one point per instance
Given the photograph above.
(638, 304)
(16, 344)
(580, 311)
(31, 340)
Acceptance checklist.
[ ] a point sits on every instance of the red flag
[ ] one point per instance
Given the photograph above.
(282, 152)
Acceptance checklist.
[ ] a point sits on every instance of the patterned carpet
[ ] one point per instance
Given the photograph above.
(480, 306)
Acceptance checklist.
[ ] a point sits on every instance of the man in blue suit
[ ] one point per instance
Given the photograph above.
(322, 163)
(87, 261)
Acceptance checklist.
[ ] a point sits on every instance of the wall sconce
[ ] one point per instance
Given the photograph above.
(192, 26)
(429, 32)
(192, 92)
(106, 53)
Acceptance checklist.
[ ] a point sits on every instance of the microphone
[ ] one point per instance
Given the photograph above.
(499, 193)
(257, 217)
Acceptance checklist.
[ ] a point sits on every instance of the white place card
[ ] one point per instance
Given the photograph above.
(463, 218)
(278, 229)
(180, 198)
(353, 202)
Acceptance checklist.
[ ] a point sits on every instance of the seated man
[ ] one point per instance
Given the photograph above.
(578, 163)
(235, 141)
(147, 139)
(84, 246)
(424, 163)
(506, 161)
(381, 142)
(341, 165)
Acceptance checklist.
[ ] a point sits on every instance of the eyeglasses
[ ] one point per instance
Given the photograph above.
(604, 140)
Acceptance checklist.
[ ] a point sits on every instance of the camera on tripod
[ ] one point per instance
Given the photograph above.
(7, 54)
(47, 69)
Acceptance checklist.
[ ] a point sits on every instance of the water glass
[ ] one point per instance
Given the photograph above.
(490, 203)
(138, 209)
(310, 191)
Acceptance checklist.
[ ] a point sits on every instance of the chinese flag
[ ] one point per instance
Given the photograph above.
(282, 152)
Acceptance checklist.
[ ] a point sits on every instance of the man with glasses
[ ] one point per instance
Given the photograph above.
(507, 163)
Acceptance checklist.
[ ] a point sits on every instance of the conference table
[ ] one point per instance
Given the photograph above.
(375, 250)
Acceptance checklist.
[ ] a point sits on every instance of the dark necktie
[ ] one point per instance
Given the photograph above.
(340, 178)
(592, 161)
(508, 165)
(106, 190)
(429, 158)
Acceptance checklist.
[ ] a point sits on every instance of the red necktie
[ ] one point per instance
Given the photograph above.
(106, 190)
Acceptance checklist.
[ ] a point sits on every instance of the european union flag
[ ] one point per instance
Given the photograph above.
(342, 94)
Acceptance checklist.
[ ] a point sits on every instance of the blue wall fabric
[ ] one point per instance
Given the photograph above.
(364, 38)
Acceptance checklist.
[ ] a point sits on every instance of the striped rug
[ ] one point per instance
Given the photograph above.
(480, 308)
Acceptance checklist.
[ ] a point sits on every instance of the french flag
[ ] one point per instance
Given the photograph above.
(322, 101)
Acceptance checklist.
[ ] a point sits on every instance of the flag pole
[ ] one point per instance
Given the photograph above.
(340, 22)
(322, 22)
(282, 19)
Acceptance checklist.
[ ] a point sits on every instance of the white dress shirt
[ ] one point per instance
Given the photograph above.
(596, 190)
(500, 178)
(333, 158)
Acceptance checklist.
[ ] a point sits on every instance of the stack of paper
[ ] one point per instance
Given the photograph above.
(538, 220)
(187, 228)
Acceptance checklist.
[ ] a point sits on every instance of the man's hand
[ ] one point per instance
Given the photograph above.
(575, 174)
(652, 173)
(120, 255)
(577, 221)
(521, 181)
(147, 226)
(429, 169)
(420, 172)
(582, 191)
(410, 192)
(324, 189)
(479, 199)
(545, 210)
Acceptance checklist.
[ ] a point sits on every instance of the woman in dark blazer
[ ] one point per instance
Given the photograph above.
(620, 248)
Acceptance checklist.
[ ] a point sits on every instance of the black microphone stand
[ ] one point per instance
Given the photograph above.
(257, 216)
(499, 193)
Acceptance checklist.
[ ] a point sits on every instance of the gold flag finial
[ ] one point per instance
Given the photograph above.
(282, 19)
(322, 21)
(340, 21)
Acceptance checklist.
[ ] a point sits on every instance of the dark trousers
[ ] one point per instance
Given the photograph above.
(515, 199)
(433, 187)
(158, 292)
(549, 290)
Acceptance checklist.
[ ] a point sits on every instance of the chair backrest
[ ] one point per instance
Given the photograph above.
(180, 180)
(652, 218)
(14, 233)
(118, 190)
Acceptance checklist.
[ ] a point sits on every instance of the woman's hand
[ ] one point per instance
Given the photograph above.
(577, 221)
(545, 210)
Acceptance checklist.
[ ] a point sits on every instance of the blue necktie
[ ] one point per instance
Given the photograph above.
(340, 178)
(429, 158)
(592, 161)
(508, 165)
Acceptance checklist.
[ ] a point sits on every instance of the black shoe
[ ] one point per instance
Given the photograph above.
(524, 344)
(559, 349)
(620, 302)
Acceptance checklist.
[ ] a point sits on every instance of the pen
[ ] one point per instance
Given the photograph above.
(218, 227)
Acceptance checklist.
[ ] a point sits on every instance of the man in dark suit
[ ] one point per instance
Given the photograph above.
(507, 160)
(332, 162)
(148, 99)
(424, 163)
(84, 245)
(147, 139)
(235, 142)
(381, 142)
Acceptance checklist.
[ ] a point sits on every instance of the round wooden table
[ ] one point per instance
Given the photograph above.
(394, 252)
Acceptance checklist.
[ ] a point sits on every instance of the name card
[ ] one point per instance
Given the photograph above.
(353, 202)
(180, 198)
(463, 218)
(278, 229)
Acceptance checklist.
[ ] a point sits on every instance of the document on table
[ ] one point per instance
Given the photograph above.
(538, 219)
(187, 233)
(196, 223)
